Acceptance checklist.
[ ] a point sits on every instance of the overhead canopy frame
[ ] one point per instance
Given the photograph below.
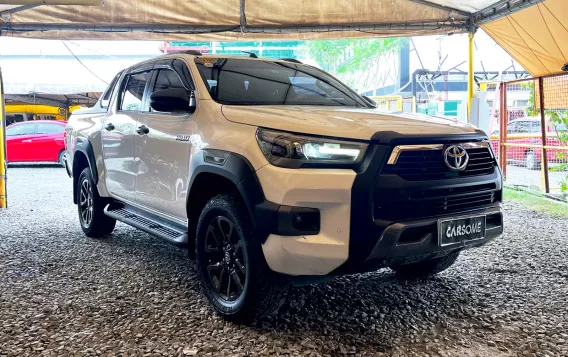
(223, 20)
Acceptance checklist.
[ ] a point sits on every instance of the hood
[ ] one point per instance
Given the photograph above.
(352, 123)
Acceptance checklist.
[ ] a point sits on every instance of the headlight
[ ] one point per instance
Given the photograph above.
(294, 151)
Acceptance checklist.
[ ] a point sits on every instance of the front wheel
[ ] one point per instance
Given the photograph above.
(234, 275)
(425, 268)
(91, 207)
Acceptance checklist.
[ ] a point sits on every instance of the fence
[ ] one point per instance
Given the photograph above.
(532, 139)
(396, 102)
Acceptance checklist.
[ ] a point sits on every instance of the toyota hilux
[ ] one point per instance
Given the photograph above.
(273, 172)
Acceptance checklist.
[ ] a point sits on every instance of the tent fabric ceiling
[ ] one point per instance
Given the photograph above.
(535, 37)
(220, 20)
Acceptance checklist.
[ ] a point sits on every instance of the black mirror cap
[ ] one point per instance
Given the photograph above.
(370, 101)
(172, 100)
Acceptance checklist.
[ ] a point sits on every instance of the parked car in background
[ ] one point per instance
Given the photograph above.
(36, 141)
(527, 131)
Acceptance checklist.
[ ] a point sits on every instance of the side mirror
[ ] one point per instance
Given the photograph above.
(173, 100)
(370, 101)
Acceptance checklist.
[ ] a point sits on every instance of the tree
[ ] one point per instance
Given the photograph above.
(355, 61)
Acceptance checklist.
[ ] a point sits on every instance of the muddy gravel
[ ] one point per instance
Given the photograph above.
(133, 295)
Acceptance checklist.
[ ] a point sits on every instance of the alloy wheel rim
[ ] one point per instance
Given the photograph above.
(86, 203)
(225, 259)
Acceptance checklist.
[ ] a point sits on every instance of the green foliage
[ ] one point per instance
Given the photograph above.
(351, 55)
(531, 109)
(537, 203)
(559, 120)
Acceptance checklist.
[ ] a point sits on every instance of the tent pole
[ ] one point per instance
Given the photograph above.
(3, 193)
(471, 36)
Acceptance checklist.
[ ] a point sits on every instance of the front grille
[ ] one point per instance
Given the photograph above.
(427, 204)
(423, 165)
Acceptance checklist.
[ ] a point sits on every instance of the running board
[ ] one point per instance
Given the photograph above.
(149, 223)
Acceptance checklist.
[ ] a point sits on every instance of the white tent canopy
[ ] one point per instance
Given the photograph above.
(221, 20)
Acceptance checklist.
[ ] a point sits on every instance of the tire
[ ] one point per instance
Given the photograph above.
(531, 162)
(90, 207)
(233, 272)
(425, 268)
(61, 158)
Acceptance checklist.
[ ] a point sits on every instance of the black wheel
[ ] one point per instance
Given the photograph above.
(425, 268)
(91, 208)
(61, 158)
(531, 162)
(234, 275)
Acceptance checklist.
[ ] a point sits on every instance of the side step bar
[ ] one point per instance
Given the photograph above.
(149, 223)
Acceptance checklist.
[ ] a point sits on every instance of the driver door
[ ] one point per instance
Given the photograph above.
(163, 147)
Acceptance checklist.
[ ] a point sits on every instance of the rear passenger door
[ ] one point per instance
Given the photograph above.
(49, 141)
(119, 133)
(162, 152)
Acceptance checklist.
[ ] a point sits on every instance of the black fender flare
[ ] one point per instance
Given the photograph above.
(84, 146)
(238, 170)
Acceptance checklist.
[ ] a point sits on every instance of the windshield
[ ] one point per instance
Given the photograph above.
(255, 82)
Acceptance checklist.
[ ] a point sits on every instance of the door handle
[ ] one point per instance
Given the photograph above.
(142, 130)
(27, 141)
(109, 127)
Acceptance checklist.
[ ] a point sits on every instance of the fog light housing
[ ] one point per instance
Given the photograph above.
(297, 221)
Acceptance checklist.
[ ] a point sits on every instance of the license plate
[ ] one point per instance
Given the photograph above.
(458, 230)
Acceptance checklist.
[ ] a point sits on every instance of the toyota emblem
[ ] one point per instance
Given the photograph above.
(456, 157)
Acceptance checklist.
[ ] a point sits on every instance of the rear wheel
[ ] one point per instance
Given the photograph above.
(61, 158)
(425, 268)
(91, 206)
(234, 275)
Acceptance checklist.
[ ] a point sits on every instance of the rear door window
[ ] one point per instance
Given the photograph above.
(47, 128)
(133, 91)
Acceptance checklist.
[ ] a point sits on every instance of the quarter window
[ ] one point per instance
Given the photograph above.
(105, 100)
(133, 92)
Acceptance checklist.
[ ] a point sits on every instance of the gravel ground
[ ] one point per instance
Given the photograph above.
(132, 295)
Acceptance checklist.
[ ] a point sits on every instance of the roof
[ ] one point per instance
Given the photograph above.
(60, 122)
(222, 20)
(56, 100)
(535, 37)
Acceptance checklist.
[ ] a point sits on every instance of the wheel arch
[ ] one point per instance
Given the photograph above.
(83, 157)
(236, 176)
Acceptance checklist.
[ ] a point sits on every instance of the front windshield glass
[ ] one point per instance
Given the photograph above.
(256, 82)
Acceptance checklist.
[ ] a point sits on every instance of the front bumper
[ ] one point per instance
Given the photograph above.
(417, 240)
(366, 222)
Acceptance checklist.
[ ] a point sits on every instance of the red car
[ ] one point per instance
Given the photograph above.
(36, 141)
(527, 131)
